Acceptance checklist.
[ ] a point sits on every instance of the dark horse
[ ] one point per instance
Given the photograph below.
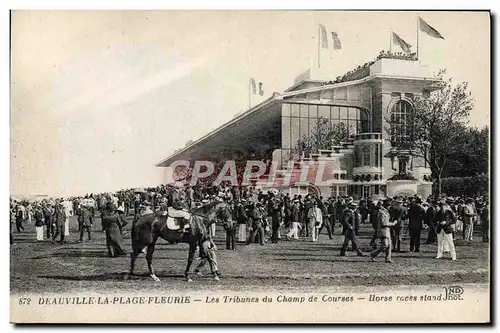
(148, 228)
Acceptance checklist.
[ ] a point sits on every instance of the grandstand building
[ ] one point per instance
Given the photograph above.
(372, 158)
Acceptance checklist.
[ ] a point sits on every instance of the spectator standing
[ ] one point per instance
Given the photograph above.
(469, 218)
(315, 217)
(348, 222)
(445, 219)
(485, 222)
(384, 232)
(19, 218)
(59, 218)
(241, 219)
(326, 218)
(257, 226)
(373, 212)
(398, 214)
(86, 221)
(39, 221)
(415, 223)
(295, 217)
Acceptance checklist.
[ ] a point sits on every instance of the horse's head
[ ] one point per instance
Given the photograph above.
(211, 208)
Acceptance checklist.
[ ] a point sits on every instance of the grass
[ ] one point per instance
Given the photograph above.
(44, 267)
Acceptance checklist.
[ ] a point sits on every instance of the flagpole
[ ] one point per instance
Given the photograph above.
(319, 51)
(249, 93)
(390, 42)
(249, 77)
(418, 28)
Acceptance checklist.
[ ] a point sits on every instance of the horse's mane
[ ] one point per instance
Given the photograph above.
(200, 214)
(205, 208)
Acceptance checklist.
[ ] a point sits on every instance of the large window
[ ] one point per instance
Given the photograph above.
(401, 124)
(299, 120)
(365, 156)
(366, 191)
(342, 191)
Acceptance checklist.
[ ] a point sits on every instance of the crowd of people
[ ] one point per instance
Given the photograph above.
(364, 70)
(258, 216)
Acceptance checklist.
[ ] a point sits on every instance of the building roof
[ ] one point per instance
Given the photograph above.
(234, 134)
(252, 122)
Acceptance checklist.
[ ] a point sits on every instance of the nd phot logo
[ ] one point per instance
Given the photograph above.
(453, 293)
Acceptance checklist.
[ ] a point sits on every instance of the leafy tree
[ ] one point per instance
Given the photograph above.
(324, 135)
(436, 123)
(471, 158)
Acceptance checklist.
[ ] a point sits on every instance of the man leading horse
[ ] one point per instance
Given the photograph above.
(148, 228)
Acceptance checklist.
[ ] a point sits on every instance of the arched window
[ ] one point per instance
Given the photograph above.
(401, 124)
(365, 156)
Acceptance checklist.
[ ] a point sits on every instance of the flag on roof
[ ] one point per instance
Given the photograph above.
(323, 36)
(425, 27)
(401, 42)
(336, 41)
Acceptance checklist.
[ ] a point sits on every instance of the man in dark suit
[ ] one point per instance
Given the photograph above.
(416, 218)
(274, 209)
(86, 221)
(398, 213)
(332, 214)
(257, 225)
(59, 218)
(48, 220)
(485, 222)
(327, 207)
(19, 218)
(430, 220)
(348, 223)
(225, 217)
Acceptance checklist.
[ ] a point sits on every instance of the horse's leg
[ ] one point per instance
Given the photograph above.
(192, 250)
(133, 256)
(149, 258)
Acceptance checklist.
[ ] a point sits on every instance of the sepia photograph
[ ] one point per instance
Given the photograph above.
(250, 166)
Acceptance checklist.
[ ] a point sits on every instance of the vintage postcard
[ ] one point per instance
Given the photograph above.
(250, 166)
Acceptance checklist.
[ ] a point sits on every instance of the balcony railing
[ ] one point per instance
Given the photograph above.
(366, 169)
(368, 136)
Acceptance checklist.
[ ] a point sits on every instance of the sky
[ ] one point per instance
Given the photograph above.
(99, 97)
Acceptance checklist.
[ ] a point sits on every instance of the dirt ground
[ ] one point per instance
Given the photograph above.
(44, 267)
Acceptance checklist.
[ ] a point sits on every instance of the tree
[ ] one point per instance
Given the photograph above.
(323, 136)
(436, 123)
(471, 157)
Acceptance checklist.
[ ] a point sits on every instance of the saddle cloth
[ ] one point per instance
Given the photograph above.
(173, 223)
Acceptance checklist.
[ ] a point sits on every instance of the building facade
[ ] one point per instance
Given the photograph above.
(355, 129)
